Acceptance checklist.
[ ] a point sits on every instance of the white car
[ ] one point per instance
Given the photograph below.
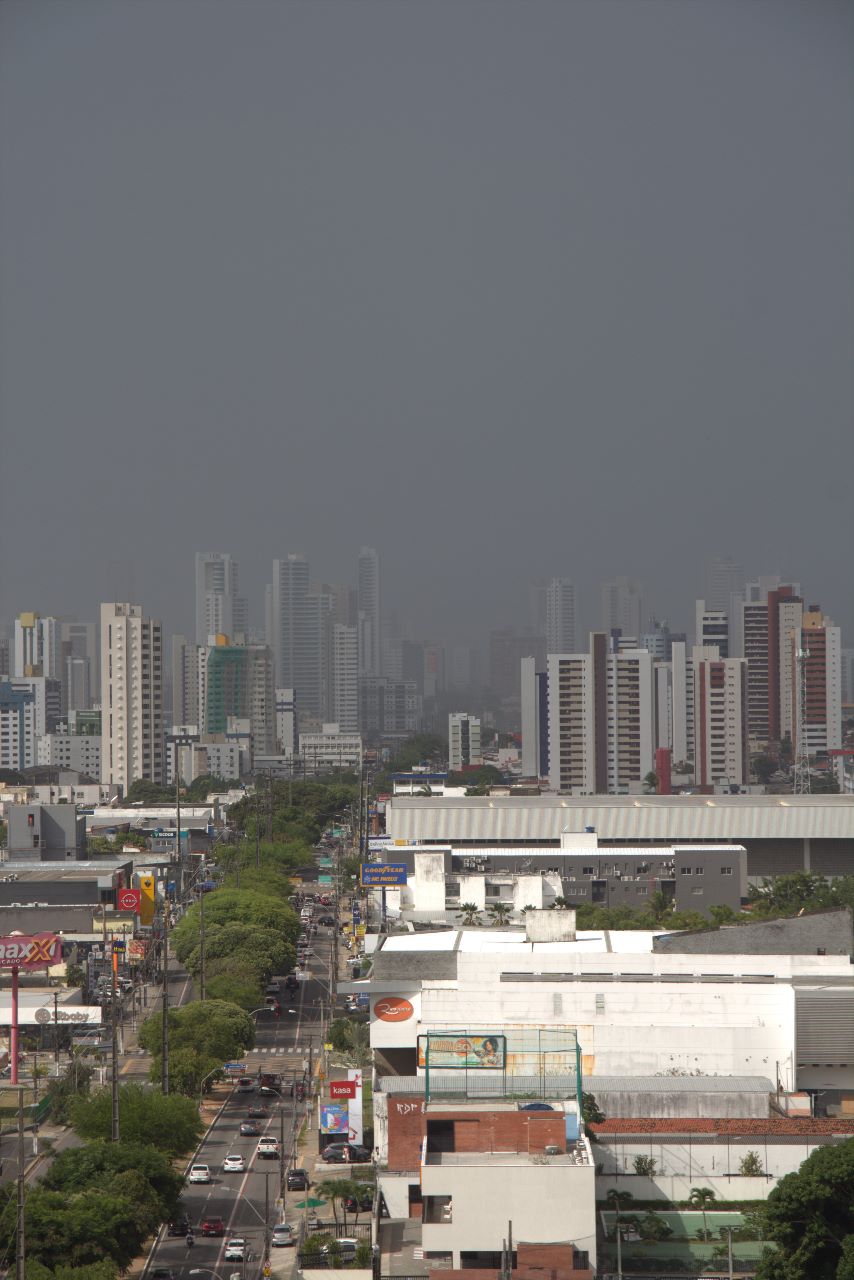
(199, 1173)
(282, 1236)
(268, 1148)
(346, 1248)
(235, 1250)
(234, 1164)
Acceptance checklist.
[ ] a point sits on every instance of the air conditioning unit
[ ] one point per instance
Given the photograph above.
(551, 1151)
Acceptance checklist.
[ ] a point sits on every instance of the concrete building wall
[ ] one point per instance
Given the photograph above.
(542, 1200)
(429, 887)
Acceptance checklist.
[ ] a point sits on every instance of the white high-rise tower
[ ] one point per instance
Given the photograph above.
(370, 639)
(131, 695)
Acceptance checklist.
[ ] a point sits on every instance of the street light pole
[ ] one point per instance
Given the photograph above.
(202, 944)
(20, 1241)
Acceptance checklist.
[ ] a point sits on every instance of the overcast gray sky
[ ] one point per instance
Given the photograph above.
(507, 290)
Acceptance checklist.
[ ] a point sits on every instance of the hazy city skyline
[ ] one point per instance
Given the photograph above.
(509, 293)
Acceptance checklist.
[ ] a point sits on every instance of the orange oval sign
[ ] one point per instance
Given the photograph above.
(393, 1009)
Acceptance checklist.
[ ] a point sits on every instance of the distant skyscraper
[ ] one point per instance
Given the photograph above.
(38, 650)
(286, 722)
(659, 640)
(298, 620)
(186, 708)
(724, 581)
(219, 609)
(345, 678)
(848, 676)
(81, 670)
(560, 616)
(623, 607)
(711, 626)
(370, 639)
(131, 696)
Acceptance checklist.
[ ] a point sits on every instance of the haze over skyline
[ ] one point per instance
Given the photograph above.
(507, 292)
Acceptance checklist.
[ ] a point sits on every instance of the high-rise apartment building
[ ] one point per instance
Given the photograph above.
(389, 708)
(659, 640)
(38, 647)
(535, 720)
(463, 740)
(711, 627)
(345, 678)
(370, 637)
(506, 651)
(765, 618)
(847, 677)
(187, 707)
(286, 722)
(721, 752)
(239, 685)
(601, 719)
(299, 619)
(131, 695)
(815, 658)
(560, 616)
(81, 672)
(18, 730)
(219, 608)
(623, 607)
(785, 611)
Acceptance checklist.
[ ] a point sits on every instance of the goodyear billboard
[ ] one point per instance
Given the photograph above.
(383, 875)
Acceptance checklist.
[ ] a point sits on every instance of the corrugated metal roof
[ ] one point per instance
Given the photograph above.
(624, 818)
(678, 1084)
(483, 1084)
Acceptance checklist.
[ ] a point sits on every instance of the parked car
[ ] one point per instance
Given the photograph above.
(235, 1250)
(536, 1106)
(345, 1153)
(249, 1129)
(213, 1225)
(178, 1226)
(282, 1236)
(297, 1180)
(360, 1203)
(234, 1164)
(199, 1173)
(345, 1247)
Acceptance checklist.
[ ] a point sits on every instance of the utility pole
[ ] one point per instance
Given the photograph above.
(270, 806)
(114, 1052)
(20, 1242)
(56, 1032)
(202, 944)
(164, 1051)
(267, 1216)
(257, 829)
(728, 1231)
(619, 1250)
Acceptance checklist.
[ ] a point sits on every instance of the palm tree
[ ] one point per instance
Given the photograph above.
(499, 914)
(702, 1198)
(335, 1189)
(470, 913)
(560, 903)
(619, 1200)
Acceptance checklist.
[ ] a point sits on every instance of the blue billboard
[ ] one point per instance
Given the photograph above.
(382, 875)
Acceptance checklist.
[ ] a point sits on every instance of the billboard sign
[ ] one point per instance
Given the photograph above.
(30, 951)
(451, 1052)
(129, 900)
(394, 1009)
(66, 1015)
(382, 875)
(342, 1088)
(334, 1117)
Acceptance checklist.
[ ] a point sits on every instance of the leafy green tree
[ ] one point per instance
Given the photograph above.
(750, 1165)
(650, 782)
(235, 988)
(200, 788)
(810, 1217)
(212, 1027)
(618, 1201)
(591, 1112)
(168, 1122)
(144, 792)
(94, 1271)
(653, 1227)
(764, 767)
(99, 1164)
(470, 913)
(561, 904)
(190, 1073)
(74, 1081)
(644, 1166)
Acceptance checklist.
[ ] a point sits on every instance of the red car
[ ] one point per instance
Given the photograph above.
(213, 1226)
